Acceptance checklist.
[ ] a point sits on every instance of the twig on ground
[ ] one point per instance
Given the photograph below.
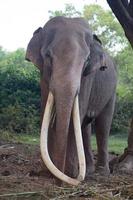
(21, 194)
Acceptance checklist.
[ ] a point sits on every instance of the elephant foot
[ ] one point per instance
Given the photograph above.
(89, 172)
(102, 170)
(125, 163)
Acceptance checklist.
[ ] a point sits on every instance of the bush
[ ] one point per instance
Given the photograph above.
(122, 116)
(19, 119)
(20, 95)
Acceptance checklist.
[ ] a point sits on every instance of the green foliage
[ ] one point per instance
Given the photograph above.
(124, 60)
(122, 116)
(20, 94)
(69, 11)
(124, 106)
(103, 23)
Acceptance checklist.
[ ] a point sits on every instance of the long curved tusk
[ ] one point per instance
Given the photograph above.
(44, 144)
(79, 141)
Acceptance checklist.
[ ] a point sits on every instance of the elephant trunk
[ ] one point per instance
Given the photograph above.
(63, 115)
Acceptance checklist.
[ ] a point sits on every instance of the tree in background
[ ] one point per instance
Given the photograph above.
(123, 10)
(69, 11)
(105, 26)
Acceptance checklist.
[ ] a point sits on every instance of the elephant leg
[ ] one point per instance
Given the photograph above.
(71, 168)
(71, 164)
(103, 125)
(86, 132)
(125, 164)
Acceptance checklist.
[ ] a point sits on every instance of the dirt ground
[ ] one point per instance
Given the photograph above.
(22, 177)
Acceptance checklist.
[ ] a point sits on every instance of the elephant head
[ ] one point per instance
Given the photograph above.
(65, 51)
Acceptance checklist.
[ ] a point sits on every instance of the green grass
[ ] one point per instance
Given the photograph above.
(16, 138)
(117, 143)
(28, 139)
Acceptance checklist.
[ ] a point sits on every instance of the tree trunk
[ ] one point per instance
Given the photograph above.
(123, 11)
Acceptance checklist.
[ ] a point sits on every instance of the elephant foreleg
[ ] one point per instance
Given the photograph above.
(86, 132)
(71, 167)
(103, 125)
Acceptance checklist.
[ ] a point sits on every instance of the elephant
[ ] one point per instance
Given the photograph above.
(78, 87)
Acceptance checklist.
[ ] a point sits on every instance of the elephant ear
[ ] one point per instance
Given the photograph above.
(33, 53)
(38, 30)
(97, 58)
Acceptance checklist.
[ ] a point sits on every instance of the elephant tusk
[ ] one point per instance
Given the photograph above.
(79, 141)
(44, 144)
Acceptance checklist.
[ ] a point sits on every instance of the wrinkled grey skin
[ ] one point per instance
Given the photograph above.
(60, 50)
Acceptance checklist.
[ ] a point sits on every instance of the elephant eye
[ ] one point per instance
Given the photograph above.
(103, 68)
(48, 58)
(48, 63)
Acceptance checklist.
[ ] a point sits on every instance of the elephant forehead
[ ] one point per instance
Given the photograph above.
(64, 35)
(65, 45)
(69, 47)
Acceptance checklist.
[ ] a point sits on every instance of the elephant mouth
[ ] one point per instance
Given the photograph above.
(79, 142)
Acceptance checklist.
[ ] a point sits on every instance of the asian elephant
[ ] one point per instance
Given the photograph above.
(78, 83)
